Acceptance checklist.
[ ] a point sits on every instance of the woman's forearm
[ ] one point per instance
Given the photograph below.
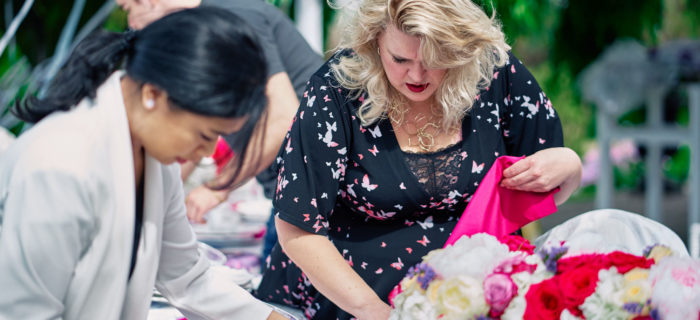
(330, 273)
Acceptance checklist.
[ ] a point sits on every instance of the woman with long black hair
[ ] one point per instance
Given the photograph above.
(92, 213)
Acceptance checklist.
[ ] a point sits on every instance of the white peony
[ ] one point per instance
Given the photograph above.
(474, 256)
(461, 297)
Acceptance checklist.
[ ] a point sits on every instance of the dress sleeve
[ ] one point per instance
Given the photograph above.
(313, 158)
(529, 121)
(185, 276)
(47, 223)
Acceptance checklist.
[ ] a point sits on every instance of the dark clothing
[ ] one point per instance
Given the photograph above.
(285, 50)
(270, 238)
(138, 224)
(382, 208)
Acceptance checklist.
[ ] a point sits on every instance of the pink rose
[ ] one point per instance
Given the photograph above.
(499, 289)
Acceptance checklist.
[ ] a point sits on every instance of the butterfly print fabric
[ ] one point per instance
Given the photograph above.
(383, 208)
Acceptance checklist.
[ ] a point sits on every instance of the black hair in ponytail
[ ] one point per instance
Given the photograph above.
(93, 60)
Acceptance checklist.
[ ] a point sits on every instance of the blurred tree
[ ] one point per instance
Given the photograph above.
(526, 22)
(38, 35)
(681, 19)
(586, 28)
(50, 29)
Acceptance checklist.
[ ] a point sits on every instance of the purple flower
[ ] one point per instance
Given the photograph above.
(424, 274)
(551, 255)
(633, 308)
(654, 314)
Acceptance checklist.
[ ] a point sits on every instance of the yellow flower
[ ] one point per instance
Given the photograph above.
(659, 252)
(636, 287)
(636, 274)
(636, 292)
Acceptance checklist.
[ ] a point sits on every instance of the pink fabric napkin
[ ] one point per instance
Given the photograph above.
(500, 211)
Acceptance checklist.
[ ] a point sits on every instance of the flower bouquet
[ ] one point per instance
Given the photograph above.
(476, 278)
(483, 277)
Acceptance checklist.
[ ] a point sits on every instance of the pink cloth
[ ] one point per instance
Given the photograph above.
(500, 211)
(222, 154)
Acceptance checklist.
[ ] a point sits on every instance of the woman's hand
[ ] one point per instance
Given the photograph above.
(201, 200)
(544, 171)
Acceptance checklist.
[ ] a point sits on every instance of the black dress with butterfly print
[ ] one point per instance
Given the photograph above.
(382, 208)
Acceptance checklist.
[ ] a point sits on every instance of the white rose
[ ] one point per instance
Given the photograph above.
(413, 306)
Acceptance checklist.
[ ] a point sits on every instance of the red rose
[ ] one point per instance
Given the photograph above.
(577, 285)
(544, 301)
(626, 262)
(567, 264)
(517, 243)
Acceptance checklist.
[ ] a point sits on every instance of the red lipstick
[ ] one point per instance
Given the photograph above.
(416, 87)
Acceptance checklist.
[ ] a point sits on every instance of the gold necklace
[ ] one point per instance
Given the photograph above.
(424, 134)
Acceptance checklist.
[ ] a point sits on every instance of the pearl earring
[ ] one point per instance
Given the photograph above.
(150, 104)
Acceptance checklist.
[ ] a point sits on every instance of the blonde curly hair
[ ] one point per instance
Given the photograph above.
(455, 35)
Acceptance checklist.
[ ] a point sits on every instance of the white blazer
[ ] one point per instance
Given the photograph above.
(67, 195)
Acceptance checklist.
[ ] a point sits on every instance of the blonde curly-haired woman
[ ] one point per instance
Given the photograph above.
(392, 138)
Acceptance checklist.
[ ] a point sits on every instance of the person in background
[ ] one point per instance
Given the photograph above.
(290, 61)
(392, 138)
(92, 212)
